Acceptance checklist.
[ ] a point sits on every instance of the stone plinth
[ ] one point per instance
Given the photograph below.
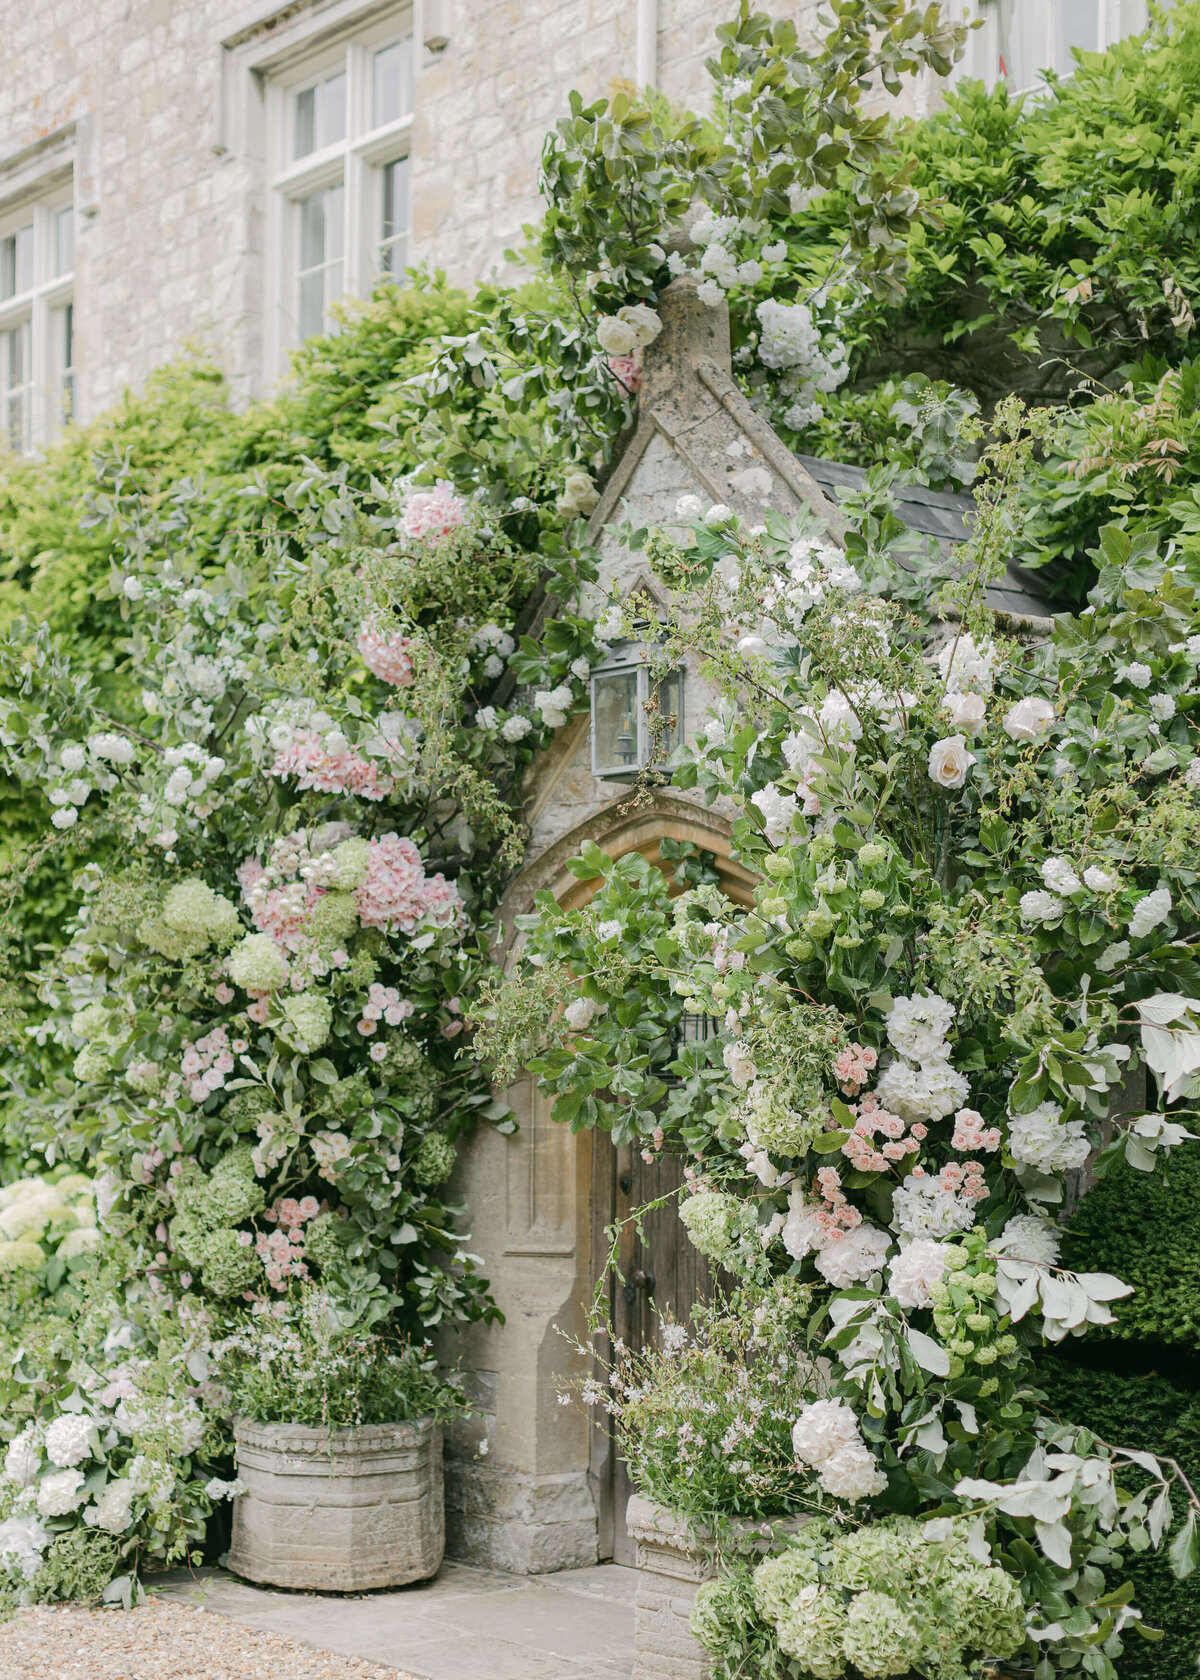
(338, 1512)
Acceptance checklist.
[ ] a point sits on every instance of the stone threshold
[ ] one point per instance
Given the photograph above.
(465, 1624)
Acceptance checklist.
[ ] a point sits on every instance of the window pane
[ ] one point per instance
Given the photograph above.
(62, 348)
(393, 226)
(1078, 26)
(615, 742)
(312, 303)
(335, 224)
(14, 384)
(305, 129)
(16, 262)
(312, 230)
(332, 125)
(392, 82)
(64, 240)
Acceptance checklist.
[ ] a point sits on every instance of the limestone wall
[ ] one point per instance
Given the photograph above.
(169, 176)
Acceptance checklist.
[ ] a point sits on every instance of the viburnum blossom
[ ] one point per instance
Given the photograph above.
(386, 654)
(427, 515)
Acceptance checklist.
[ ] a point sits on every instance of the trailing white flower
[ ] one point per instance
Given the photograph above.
(779, 811)
(1026, 1236)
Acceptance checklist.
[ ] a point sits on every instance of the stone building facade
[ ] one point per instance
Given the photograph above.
(232, 168)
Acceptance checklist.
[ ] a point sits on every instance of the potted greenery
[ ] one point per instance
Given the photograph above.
(339, 1450)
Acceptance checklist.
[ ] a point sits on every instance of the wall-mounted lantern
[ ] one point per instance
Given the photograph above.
(621, 687)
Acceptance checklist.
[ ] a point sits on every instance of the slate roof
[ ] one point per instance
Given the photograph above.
(937, 513)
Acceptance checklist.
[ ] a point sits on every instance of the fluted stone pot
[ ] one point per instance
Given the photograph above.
(345, 1511)
(673, 1559)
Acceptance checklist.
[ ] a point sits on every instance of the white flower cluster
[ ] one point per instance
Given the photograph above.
(630, 329)
(924, 1207)
(931, 1089)
(826, 1437)
(915, 1271)
(496, 645)
(1040, 1139)
(81, 769)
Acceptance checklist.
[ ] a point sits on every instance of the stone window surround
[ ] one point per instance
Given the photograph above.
(268, 46)
(48, 175)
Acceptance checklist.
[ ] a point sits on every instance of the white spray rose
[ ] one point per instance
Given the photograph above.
(949, 762)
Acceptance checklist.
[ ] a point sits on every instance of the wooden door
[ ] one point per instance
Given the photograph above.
(660, 1273)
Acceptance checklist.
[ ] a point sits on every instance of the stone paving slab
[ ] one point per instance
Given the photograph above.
(465, 1624)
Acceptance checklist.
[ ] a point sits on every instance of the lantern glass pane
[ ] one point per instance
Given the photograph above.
(616, 717)
(670, 701)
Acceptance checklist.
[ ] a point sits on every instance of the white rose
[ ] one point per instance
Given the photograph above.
(644, 322)
(949, 762)
(1028, 719)
(966, 711)
(617, 337)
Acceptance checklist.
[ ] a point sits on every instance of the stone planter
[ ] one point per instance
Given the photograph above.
(346, 1512)
(672, 1562)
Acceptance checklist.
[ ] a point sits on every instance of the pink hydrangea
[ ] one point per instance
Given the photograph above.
(308, 759)
(386, 655)
(397, 894)
(427, 515)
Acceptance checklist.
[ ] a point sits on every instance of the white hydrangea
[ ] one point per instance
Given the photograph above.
(23, 1540)
(60, 1494)
(1028, 1237)
(914, 1271)
(1038, 906)
(966, 664)
(23, 1459)
(851, 1258)
(1099, 880)
(922, 1208)
(1149, 912)
(822, 1428)
(1060, 877)
(803, 1231)
(1041, 1139)
(928, 1093)
(851, 1473)
(113, 1510)
(69, 1439)
(917, 1026)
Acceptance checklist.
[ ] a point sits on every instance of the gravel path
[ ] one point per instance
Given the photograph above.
(160, 1641)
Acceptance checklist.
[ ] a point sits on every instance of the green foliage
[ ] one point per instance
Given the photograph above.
(1162, 1415)
(1145, 1227)
(307, 1362)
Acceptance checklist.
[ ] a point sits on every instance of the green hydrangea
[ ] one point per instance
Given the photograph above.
(92, 1064)
(811, 1631)
(350, 863)
(306, 1024)
(195, 911)
(334, 920)
(404, 1056)
(710, 1220)
(771, 1124)
(257, 964)
(322, 1240)
(227, 1265)
(233, 1193)
(882, 1556)
(880, 1636)
(24, 1255)
(718, 1610)
(78, 1242)
(777, 1580)
(434, 1160)
(94, 1021)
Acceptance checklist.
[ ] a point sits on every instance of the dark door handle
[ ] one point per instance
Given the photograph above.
(640, 1279)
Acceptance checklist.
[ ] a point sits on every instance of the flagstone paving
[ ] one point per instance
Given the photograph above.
(467, 1624)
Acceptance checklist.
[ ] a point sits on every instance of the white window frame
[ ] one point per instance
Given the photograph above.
(1035, 24)
(357, 161)
(37, 305)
